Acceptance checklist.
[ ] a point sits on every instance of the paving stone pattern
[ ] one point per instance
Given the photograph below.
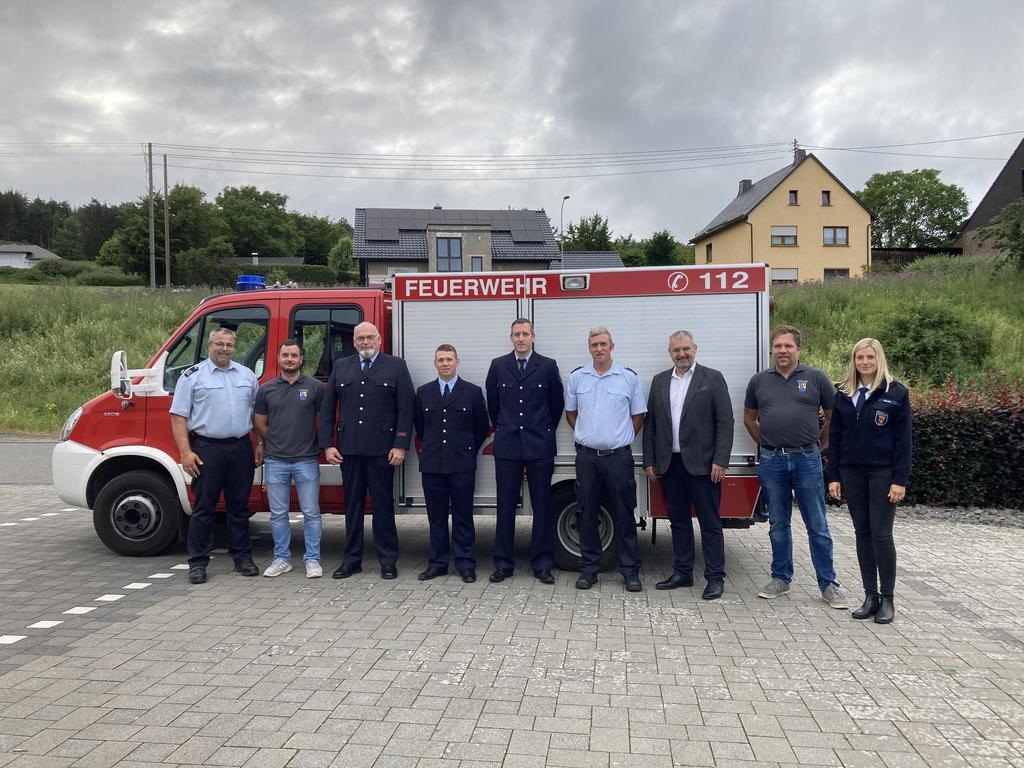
(365, 672)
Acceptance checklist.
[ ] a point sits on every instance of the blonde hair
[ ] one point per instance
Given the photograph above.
(850, 384)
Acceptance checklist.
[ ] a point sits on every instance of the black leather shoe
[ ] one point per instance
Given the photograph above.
(632, 584)
(675, 581)
(246, 567)
(886, 611)
(714, 590)
(389, 571)
(343, 571)
(499, 576)
(468, 575)
(869, 608)
(586, 580)
(197, 574)
(427, 575)
(544, 576)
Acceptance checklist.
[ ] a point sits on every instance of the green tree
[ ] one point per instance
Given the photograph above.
(194, 220)
(914, 208)
(97, 221)
(319, 235)
(67, 242)
(205, 266)
(590, 234)
(258, 222)
(340, 258)
(630, 251)
(13, 216)
(43, 219)
(1006, 231)
(660, 249)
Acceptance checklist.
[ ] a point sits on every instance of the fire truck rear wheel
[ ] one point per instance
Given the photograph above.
(567, 530)
(136, 514)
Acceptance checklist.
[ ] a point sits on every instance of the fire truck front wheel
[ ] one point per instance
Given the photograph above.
(136, 514)
(567, 530)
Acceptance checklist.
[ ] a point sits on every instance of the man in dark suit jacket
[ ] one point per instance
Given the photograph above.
(525, 400)
(687, 443)
(451, 420)
(366, 426)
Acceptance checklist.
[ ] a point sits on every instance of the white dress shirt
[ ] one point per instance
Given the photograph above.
(678, 388)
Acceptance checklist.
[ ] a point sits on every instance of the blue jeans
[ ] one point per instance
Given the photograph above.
(782, 475)
(279, 476)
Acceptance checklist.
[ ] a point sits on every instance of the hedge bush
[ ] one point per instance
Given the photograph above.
(969, 445)
(930, 341)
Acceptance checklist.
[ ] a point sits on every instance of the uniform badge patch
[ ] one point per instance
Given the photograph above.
(801, 385)
(881, 418)
(303, 394)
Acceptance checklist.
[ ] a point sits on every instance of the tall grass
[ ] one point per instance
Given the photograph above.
(834, 316)
(56, 343)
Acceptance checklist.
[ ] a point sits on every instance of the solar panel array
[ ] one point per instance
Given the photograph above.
(385, 223)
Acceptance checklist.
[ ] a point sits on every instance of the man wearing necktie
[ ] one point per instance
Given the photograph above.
(525, 399)
(366, 421)
(451, 421)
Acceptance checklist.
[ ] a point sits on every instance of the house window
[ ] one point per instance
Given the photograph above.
(793, 197)
(836, 274)
(478, 263)
(836, 236)
(783, 236)
(449, 254)
(784, 275)
(707, 253)
(826, 197)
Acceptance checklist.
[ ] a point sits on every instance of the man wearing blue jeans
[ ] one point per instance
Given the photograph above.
(284, 417)
(781, 412)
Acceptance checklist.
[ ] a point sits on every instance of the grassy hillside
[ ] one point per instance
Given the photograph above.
(835, 315)
(56, 341)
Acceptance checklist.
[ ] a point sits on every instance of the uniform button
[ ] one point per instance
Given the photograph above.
(360, 407)
(520, 401)
(362, 382)
(443, 431)
(520, 413)
(360, 422)
(520, 386)
(444, 441)
(520, 427)
(361, 394)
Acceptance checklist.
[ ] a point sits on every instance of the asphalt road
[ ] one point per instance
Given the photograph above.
(25, 459)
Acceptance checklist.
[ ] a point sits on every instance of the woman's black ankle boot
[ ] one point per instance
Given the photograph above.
(870, 606)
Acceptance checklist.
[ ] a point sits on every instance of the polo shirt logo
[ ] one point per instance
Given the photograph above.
(303, 394)
(801, 385)
(881, 418)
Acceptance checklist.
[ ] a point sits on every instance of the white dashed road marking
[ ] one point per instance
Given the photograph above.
(44, 624)
(70, 509)
(11, 639)
(50, 514)
(136, 585)
(80, 609)
(108, 598)
(28, 519)
(7, 524)
(160, 576)
(180, 567)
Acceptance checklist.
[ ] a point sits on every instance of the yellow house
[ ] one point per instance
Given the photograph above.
(801, 221)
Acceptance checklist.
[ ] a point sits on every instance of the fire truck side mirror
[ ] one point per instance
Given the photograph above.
(120, 381)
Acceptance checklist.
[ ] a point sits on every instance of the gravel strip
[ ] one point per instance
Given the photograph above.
(1009, 518)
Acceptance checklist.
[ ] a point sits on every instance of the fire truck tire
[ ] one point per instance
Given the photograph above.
(136, 514)
(567, 527)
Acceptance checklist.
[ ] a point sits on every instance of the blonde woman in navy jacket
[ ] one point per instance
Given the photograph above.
(869, 442)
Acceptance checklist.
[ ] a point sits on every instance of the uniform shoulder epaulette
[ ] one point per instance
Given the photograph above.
(191, 370)
(575, 369)
(631, 371)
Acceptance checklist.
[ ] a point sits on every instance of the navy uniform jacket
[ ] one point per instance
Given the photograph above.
(372, 410)
(524, 410)
(880, 437)
(451, 432)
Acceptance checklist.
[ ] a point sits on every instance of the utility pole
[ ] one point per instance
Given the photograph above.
(152, 231)
(167, 231)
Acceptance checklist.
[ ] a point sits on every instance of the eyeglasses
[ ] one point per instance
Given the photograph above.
(222, 344)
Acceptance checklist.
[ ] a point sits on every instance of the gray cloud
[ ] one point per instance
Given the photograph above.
(459, 78)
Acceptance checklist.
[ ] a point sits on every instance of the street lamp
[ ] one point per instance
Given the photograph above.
(561, 231)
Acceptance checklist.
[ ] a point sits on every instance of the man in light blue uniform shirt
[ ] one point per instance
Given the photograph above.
(605, 406)
(211, 416)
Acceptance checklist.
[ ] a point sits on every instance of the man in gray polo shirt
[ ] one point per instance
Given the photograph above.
(285, 416)
(781, 413)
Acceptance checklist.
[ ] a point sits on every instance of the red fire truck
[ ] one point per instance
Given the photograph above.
(116, 455)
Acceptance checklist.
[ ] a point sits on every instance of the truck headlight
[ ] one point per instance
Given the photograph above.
(69, 425)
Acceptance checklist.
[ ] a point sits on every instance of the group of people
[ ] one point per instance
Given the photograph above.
(366, 416)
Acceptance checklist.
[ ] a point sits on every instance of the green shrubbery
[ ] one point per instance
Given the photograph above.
(929, 341)
(63, 272)
(969, 445)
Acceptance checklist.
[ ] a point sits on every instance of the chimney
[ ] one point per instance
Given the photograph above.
(799, 155)
(745, 185)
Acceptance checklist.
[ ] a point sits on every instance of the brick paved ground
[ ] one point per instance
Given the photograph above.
(290, 672)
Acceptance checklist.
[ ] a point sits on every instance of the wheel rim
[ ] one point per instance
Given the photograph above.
(568, 529)
(136, 516)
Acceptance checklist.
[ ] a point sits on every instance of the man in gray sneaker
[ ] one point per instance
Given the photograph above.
(781, 413)
(285, 416)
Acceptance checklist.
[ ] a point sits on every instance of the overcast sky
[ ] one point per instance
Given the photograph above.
(459, 78)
